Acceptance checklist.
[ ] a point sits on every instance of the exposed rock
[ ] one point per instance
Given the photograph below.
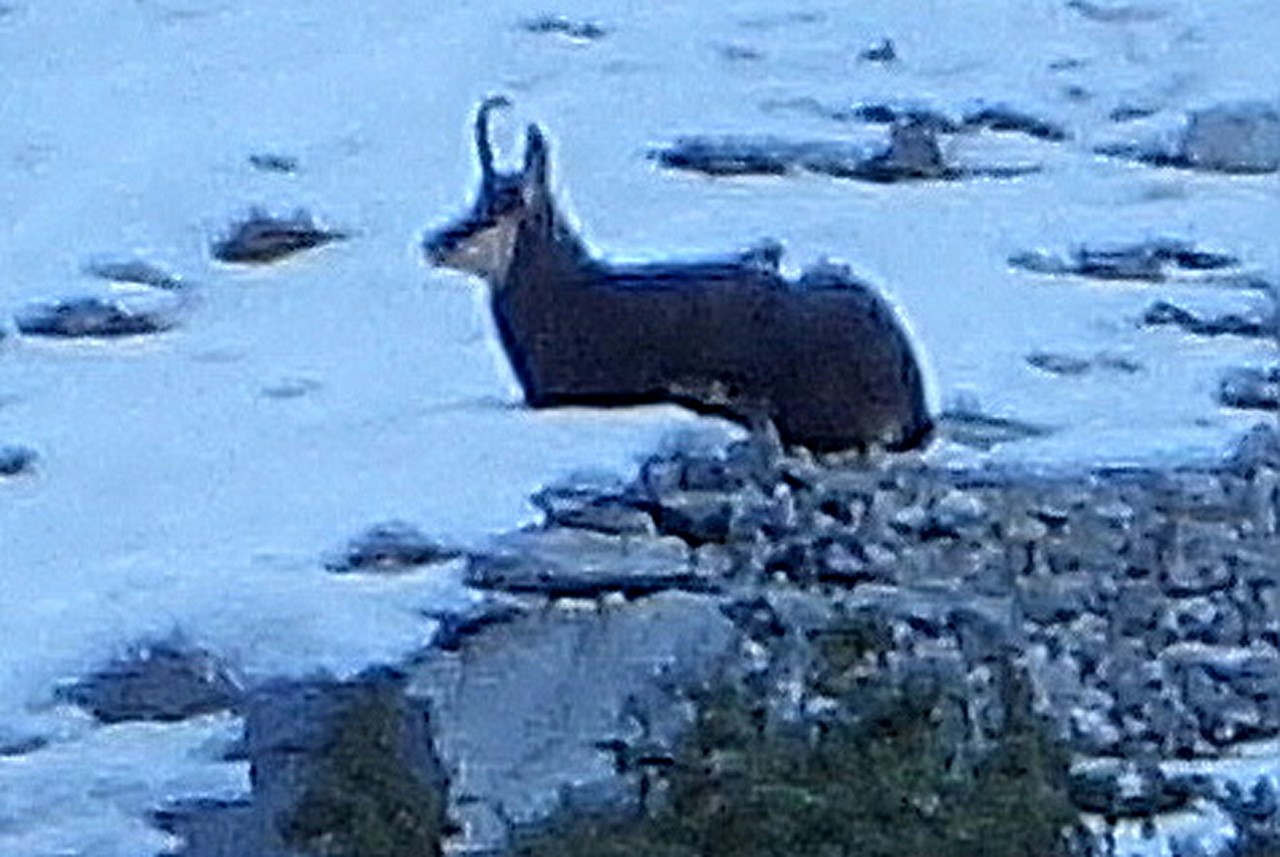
(1074, 365)
(985, 431)
(889, 114)
(738, 156)
(163, 681)
(883, 52)
(1117, 13)
(1259, 449)
(1251, 389)
(1231, 138)
(136, 271)
(1234, 138)
(1059, 364)
(98, 318)
(13, 744)
(573, 685)
(998, 117)
(274, 162)
(579, 31)
(390, 547)
(1257, 325)
(456, 626)
(263, 238)
(912, 154)
(566, 563)
(696, 517)
(302, 795)
(591, 502)
(1150, 261)
(15, 459)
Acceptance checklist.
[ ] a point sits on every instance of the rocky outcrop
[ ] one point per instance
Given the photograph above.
(160, 681)
(1141, 603)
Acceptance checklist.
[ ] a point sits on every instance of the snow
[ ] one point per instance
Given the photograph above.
(192, 481)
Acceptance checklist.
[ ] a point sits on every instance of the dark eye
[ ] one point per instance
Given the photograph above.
(503, 200)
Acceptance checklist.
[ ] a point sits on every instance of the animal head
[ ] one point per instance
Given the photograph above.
(483, 241)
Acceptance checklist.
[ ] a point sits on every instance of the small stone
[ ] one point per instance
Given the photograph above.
(958, 511)
(1058, 364)
(389, 547)
(15, 460)
(882, 52)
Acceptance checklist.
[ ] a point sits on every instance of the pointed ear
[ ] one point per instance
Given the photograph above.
(535, 160)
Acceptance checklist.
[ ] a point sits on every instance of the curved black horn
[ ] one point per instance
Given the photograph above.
(484, 149)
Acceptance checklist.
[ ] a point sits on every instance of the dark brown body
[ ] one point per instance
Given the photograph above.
(822, 358)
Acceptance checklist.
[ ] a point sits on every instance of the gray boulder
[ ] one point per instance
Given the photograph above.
(538, 714)
(1242, 137)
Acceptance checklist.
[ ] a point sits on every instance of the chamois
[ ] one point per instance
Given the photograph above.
(822, 358)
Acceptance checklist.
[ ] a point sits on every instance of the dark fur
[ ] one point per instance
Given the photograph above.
(823, 359)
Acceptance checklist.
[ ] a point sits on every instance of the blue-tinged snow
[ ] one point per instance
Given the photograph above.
(191, 482)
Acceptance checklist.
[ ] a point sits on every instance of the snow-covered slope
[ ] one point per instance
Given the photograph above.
(190, 482)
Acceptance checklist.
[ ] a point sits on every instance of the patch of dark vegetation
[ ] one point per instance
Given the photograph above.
(161, 681)
(887, 769)
(92, 317)
(388, 547)
(262, 238)
(559, 25)
(1259, 325)
(361, 797)
(15, 460)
